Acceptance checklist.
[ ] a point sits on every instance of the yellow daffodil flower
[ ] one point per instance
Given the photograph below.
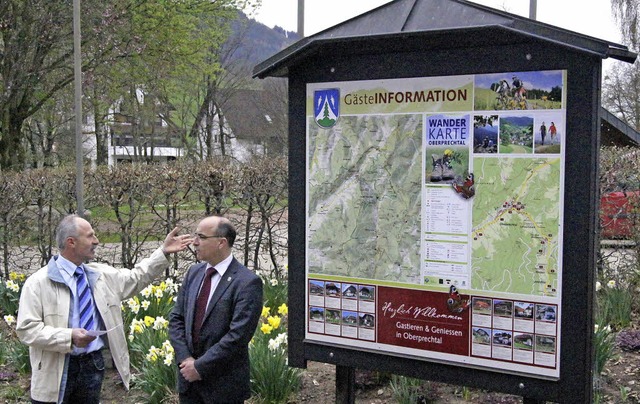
(274, 321)
(266, 328)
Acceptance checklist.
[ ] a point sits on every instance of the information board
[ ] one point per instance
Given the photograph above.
(434, 211)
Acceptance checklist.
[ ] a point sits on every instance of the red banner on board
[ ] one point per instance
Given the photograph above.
(431, 321)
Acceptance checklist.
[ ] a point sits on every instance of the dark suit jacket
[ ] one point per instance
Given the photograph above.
(222, 356)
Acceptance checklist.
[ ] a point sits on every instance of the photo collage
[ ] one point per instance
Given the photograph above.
(514, 331)
(524, 113)
(342, 309)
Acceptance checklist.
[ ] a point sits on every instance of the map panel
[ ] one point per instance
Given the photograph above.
(515, 226)
(364, 197)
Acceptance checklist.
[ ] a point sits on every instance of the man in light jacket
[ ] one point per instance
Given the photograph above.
(66, 359)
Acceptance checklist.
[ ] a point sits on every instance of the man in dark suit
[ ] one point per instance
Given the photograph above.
(211, 344)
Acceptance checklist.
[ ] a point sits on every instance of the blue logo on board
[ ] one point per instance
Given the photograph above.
(326, 107)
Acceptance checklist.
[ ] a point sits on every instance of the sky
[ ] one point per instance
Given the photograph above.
(593, 18)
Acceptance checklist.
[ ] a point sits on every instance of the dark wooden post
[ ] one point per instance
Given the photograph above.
(345, 385)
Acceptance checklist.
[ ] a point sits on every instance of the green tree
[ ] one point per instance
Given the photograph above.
(125, 44)
(36, 50)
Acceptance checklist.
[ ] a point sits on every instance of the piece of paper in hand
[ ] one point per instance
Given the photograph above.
(97, 333)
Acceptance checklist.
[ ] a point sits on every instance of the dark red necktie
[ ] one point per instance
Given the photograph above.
(201, 303)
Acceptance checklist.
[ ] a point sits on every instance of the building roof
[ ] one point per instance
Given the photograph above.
(252, 114)
(413, 21)
(614, 131)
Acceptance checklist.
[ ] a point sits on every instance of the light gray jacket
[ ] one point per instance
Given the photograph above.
(44, 318)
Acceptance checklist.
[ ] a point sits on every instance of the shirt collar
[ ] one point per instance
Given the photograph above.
(67, 268)
(223, 265)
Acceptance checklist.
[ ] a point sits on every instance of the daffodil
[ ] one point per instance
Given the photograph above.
(265, 311)
(160, 323)
(172, 287)
(273, 345)
(167, 347)
(283, 309)
(274, 282)
(153, 354)
(266, 328)
(611, 284)
(148, 321)
(9, 319)
(134, 305)
(12, 285)
(145, 304)
(277, 342)
(598, 286)
(146, 292)
(274, 321)
(281, 338)
(137, 326)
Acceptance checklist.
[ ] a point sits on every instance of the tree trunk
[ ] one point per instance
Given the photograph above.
(11, 151)
(102, 135)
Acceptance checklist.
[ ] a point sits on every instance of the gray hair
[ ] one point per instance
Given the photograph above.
(66, 228)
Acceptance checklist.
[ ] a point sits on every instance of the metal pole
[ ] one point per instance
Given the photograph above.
(533, 6)
(77, 71)
(301, 18)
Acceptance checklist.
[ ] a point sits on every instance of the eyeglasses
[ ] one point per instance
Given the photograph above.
(203, 237)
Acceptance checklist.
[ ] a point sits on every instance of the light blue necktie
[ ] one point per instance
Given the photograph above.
(85, 304)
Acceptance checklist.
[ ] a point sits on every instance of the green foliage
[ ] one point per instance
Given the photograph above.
(274, 292)
(12, 352)
(614, 304)
(272, 380)
(156, 365)
(14, 394)
(10, 294)
(465, 393)
(484, 99)
(145, 316)
(18, 355)
(406, 390)
(624, 393)
(4, 350)
(604, 346)
(167, 47)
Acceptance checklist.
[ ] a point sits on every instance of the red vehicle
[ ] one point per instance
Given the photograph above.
(619, 214)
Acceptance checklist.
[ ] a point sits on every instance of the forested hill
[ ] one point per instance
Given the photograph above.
(260, 42)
